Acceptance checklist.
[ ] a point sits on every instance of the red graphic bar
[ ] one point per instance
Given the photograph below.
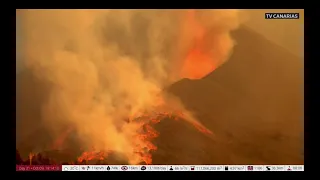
(38, 168)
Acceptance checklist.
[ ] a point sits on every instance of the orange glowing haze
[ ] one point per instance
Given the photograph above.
(108, 68)
(210, 44)
(198, 62)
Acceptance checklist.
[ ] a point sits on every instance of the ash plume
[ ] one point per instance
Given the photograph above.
(104, 66)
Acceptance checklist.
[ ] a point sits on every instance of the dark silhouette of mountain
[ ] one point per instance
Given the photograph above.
(253, 103)
(31, 94)
(18, 158)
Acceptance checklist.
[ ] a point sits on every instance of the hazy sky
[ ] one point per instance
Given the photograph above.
(287, 33)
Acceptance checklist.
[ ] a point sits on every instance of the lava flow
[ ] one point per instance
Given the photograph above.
(143, 139)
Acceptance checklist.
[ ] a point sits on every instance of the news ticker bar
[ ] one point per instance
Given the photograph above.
(160, 168)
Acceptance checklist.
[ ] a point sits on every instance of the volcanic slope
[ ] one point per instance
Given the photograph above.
(253, 104)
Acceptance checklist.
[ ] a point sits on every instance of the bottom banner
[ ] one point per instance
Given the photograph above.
(183, 168)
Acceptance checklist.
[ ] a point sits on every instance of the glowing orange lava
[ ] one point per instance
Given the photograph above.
(198, 62)
(92, 155)
(146, 134)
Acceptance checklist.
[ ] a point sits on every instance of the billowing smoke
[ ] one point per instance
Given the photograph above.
(107, 65)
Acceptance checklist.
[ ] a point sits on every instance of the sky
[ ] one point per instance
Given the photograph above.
(286, 33)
